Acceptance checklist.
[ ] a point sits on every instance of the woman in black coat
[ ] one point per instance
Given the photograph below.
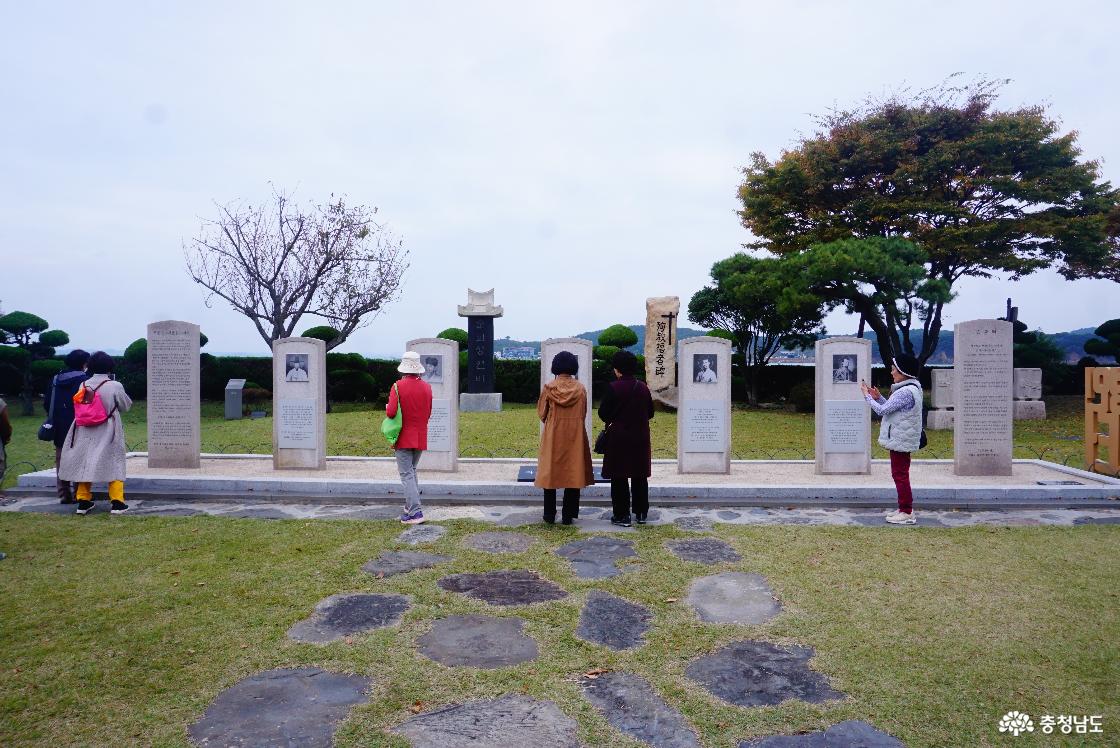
(627, 408)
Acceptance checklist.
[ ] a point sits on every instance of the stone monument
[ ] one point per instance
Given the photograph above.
(480, 312)
(299, 403)
(843, 418)
(440, 358)
(661, 348)
(704, 413)
(941, 398)
(582, 350)
(1028, 405)
(234, 389)
(982, 388)
(174, 429)
(1102, 419)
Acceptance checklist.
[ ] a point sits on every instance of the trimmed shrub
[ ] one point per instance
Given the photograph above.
(605, 352)
(803, 396)
(618, 336)
(325, 333)
(458, 334)
(352, 386)
(137, 352)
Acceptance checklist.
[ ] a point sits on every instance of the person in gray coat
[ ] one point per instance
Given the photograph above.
(901, 430)
(95, 454)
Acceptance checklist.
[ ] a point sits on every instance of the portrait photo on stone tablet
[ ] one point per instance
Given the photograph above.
(704, 369)
(295, 364)
(433, 368)
(844, 368)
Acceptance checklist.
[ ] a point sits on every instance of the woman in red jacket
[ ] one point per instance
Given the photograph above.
(415, 402)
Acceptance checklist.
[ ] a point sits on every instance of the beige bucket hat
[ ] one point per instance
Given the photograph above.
(410, 363)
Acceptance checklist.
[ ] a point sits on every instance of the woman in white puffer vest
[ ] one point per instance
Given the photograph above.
(901, 430)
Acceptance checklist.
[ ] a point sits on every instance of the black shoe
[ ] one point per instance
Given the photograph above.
(84, 507)
(550, 520)
(117, 507)
(620, 522)
(641, 518)
(68, 500)
(566, 521)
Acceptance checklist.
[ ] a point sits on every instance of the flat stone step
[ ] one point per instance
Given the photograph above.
(596, 557)
(612, 621)
(505, 587)
(755, 673)
(508, 721)
(733, 597)
(477, 641)
(339, 616)
(631, 706)
(850, 734)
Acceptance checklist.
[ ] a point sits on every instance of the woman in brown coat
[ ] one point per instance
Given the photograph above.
(565, 457)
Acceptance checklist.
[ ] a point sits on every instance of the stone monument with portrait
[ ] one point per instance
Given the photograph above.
(299, 403)
(440, 359)
(704, 410)
(843, 418)
(581, 349)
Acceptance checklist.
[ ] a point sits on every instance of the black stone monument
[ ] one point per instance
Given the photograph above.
(480, 312)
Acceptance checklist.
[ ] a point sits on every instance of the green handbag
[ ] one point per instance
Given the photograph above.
(391, 427)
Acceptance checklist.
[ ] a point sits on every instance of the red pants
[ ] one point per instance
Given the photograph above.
(900, 471)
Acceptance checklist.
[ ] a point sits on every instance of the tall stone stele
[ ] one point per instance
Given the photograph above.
(704, 412)
(582, 350)
(983, 381)
(440, 358)
(843, 418)
(299, 403)
(660, 348)
(480, 312)
(174, 428)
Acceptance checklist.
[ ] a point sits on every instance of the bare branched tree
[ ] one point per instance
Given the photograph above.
(275, 263)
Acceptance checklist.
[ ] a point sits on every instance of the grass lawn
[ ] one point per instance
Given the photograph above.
(121, 630)
(352, 429)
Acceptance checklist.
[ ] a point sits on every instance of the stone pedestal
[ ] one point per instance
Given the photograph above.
(843, 418)
(581, 349)
(440, 358)
(660, 348)
(1028, 405)
(480, 312)
(704, 410)
(174, 428)
(1028, 410)
(982, 381)
(299, 403)
(939, 420)
(234, 389)
(480, 402)
(941, 398)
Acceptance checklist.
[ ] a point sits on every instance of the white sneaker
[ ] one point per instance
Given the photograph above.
(901, 518)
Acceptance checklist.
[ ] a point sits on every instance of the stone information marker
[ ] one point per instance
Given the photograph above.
(704, 417)
(941, 398)
(480, 312)
(582, 350)
(299, 403)
(234, 389)
(174, 430)
(440, 358)
(661, 348)
(1028, 405)
(983, 380)
(843, 418)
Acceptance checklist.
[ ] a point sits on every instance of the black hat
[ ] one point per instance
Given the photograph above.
(908, 365)
(626, 362)
(565, 362)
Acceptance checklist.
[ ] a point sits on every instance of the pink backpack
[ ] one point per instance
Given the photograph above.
(88, 408)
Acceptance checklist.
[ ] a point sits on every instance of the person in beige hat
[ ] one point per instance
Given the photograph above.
(413, 397)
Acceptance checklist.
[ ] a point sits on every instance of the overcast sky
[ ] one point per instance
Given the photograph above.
(578, 157)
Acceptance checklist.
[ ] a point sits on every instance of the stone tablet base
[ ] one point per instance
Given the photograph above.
(480, 402)
(939, 420)
(1028, 410)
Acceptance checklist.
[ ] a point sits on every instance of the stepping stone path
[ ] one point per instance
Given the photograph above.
(168, 511)
(499, 542)
(631, 705)
(508, 721)
(704, 551)
(693, 524)
(520, 519)
(420, 534)
(478, 641)
(850, 734)
(595, 558)
(281, 707)
(258, 513)
(612, 621)
(339, 616)
(753, 673)
(402, 562)
(506, 587)
(733, 597)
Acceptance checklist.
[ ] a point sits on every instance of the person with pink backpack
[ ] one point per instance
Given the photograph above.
(94, 449)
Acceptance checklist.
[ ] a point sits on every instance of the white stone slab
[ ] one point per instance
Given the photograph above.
(982, 430)
(299, 403)
(1028, 410)
(704, 416)
(842, 363)
(174, 428)
(845, 427)
(939, 420)
(661, 349)
(1028, 384)
(941, 391)
(443, 427)
(582, 349)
